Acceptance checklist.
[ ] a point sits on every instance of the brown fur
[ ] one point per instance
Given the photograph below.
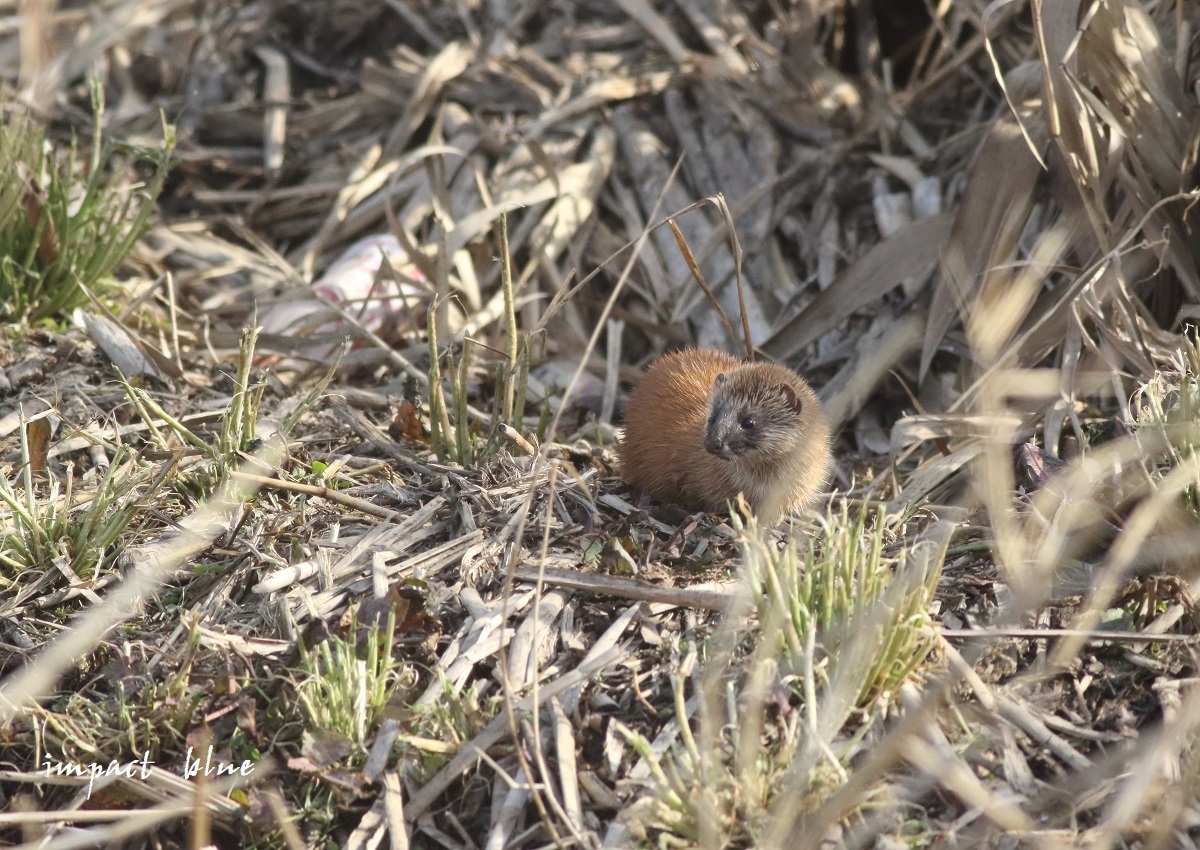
(779, 464)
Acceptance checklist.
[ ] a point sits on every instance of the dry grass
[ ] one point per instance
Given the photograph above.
(971, 224)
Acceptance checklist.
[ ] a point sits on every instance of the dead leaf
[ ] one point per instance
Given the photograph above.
(909, 253)
(119, 345)
(37, 437)
(33, 203)
(406, 423)
(996, 205)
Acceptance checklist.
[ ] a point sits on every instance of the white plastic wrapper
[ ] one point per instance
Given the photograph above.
(350, 284)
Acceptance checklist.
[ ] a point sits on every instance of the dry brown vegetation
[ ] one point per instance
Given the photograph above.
(411, 590)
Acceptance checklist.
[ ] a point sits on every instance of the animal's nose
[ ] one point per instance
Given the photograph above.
(714, 447)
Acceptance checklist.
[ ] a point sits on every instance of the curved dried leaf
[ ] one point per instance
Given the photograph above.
(996, 205)
(909, 253)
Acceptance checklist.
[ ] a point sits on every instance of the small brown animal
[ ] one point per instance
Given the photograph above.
(701, 427)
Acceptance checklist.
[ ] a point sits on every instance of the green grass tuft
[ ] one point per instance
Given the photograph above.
(842, 621)
(345, 691)
(830, 589)
(51, 523)
(65, 226)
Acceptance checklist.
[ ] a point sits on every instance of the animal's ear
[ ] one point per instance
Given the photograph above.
(793, 400)
(720, 379)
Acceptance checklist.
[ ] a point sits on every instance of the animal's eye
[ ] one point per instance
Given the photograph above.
(748, 423)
